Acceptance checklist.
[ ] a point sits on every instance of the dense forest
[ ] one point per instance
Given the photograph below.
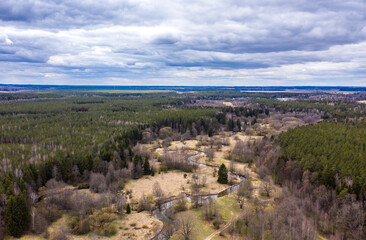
(335, 152)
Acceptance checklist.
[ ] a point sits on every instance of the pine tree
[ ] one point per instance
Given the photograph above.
(17, 214)
(11, 217)
(210, 131)
(238, 124)
(128, 208)
(147, 169)
(222, 174)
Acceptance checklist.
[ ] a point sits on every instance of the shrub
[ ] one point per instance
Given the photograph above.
(61, 234)
(180, 206)
(163, 167)
(101, 222)
(79, 226)
(216, 224)
(144, 204)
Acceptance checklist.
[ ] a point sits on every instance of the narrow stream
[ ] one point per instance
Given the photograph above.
(160, 213)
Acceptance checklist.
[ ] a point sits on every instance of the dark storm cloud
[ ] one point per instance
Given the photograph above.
(198, 42)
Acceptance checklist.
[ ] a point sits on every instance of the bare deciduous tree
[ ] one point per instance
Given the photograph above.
(266, 186)
(210, 153)
(97, 182)
(186, 225)
(144, 204)
(159, 194)
(168, 231)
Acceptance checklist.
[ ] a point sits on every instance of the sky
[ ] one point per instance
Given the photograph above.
(200, 42)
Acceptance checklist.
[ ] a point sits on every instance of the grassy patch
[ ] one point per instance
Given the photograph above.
(227, 207)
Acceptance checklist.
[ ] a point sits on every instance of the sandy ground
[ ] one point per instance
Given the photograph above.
(137, 226)
(173, 183)
(229, 104)
(190, 144)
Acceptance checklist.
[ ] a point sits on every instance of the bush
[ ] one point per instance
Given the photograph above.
(163, 167)
(216, 224)
(180, 206)
(101, 222)
(144, 204)
(61, 234)
(79, 226)
(51, 213)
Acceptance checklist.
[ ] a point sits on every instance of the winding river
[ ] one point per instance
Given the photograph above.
(160, 213)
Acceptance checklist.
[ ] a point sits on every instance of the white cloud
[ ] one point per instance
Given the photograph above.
(202, 42)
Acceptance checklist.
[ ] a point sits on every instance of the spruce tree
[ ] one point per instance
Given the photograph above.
(222, 174)
(12, 226)
(147, 169)
(128, 208)
(238, 124)
(17, 214)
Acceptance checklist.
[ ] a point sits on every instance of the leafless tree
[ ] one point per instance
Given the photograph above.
(186, 225)
(210, 153)
(239, 151)
(266, 186)
(38, 222)
(144, 204)
(244, 191)
(168, 231)
(196, 179)
(121, 202)
(97, 182)
(232, 165)
(350, 219)
(195, 195)
(203, 180)
(214, 173)
(159, 194)
(209, 210)
(262, 171)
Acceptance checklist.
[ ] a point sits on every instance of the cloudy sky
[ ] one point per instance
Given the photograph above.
(200, 42)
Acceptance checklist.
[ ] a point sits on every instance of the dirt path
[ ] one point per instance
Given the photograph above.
(223, 228)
